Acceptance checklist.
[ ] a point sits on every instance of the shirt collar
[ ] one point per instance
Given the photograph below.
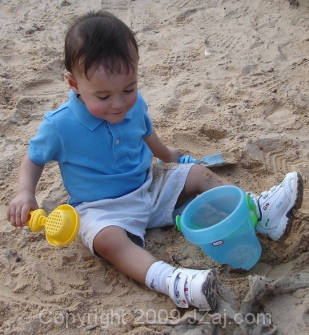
(82, 114)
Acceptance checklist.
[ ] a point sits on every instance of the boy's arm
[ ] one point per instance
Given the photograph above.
(24, 201)
(160, 150)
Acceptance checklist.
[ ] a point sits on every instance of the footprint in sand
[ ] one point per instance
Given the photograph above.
(279, 153)
(43, 87)
(113, 5)
(258, 80)
(7, 91)
(185, 4)
(284, 117)
(174, 58)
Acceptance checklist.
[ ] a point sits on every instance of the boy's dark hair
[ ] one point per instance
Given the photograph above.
(100, 39)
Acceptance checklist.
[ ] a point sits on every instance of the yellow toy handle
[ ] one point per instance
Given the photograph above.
(37, 220)
(61, 225)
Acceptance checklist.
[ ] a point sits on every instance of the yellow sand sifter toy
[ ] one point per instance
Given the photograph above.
(61, 225)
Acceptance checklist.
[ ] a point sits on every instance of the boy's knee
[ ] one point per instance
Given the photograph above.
(202, 173)
(109, 240)
(197, 174)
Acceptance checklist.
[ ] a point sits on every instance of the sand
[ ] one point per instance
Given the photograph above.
(219, 76)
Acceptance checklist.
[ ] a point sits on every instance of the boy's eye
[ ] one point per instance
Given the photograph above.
(125, 91)
(129, 91)
(104, 98)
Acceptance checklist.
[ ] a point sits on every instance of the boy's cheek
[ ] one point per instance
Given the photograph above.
(96, 109)
(133, 101)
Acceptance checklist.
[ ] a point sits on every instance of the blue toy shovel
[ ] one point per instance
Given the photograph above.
(214, 160)
(219, 159)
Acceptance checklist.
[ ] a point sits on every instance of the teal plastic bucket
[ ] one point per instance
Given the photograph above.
(221, 221)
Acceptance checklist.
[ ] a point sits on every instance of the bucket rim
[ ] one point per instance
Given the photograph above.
(211, 236)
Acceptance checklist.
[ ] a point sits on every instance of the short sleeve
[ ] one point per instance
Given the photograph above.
(46, 145)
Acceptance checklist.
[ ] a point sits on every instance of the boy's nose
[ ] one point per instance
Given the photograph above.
(117, 103)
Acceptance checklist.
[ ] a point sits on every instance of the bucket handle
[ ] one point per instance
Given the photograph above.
(252, 209)
(178, 222)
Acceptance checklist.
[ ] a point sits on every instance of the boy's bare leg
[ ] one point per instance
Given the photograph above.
(198, 288)
(200, 179)
(113, 244)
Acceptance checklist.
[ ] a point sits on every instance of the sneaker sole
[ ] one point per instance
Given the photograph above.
(209, 289)
(297, 204)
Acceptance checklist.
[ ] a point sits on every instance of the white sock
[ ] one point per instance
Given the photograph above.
(156, 276)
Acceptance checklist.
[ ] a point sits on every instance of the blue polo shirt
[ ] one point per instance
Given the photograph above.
(97, 159)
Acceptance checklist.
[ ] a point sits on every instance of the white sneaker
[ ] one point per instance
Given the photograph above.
(196, 288)
(275, 207)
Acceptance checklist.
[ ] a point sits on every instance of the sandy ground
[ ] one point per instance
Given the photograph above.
(218, 75)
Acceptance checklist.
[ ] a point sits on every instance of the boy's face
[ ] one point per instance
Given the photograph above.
(106, 96)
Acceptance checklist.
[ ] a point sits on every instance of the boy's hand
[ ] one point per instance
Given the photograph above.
(160, 150)
(24, 201)
(20, 207)
(188, 159)
(174, 155)
(183, 160)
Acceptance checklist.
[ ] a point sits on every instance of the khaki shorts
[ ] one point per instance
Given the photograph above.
(150, 206)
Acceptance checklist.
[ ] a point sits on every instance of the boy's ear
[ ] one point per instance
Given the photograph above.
(72, 82)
